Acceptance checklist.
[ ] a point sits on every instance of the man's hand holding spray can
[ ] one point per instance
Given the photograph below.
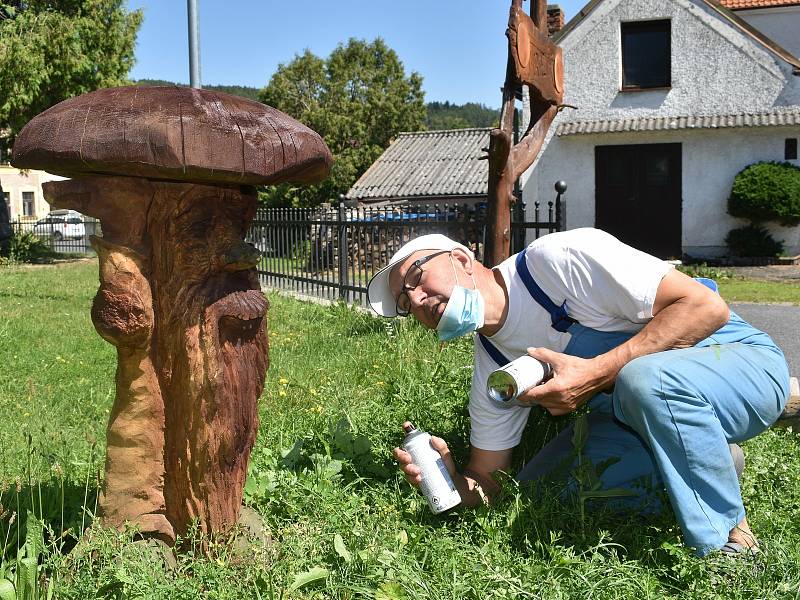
(436, 484)
(507, 383)
(503, 386)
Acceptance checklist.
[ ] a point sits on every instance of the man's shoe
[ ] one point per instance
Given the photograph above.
(738, 459)
(736, 550)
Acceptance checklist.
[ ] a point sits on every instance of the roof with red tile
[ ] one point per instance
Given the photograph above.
(743, 4)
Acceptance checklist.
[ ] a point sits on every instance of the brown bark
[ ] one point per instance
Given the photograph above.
(180, 300)
(535, 62)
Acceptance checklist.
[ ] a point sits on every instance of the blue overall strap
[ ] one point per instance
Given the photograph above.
(496, 355)
(558, 314)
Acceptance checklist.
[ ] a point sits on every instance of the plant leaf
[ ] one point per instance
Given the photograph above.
(308, 577)
(341, 549)
(390, 590)
(292, 456)
(26, 578)
(7, 590)
(33, 537)
(361, 445)
(610, 493)
(580, 433)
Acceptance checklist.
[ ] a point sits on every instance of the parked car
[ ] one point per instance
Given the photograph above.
(61, 225)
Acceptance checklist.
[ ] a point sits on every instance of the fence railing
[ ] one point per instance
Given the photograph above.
(68, 235)
(331, 253)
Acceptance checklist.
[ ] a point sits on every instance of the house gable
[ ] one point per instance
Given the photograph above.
(717, 67)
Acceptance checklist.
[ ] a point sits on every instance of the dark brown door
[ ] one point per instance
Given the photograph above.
(638, 196)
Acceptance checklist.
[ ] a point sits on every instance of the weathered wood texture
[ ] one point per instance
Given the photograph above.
(174, 133)
(538, 62)
(535, 62)
(180, 300)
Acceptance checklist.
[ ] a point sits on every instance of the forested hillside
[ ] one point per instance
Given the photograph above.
(236, 90)
(445, 115)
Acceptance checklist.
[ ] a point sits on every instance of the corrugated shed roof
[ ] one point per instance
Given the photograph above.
(771, 119)
(740, 4)
(428, 163)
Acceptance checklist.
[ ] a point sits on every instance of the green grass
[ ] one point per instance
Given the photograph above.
(345, 523)
(747, 290)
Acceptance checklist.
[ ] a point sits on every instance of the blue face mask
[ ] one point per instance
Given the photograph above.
(463, 313)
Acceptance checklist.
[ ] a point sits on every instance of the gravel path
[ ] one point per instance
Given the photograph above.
(781, 322)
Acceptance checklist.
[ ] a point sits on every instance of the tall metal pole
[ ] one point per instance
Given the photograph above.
(194, 46)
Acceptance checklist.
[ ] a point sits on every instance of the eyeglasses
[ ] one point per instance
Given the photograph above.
(411, 280)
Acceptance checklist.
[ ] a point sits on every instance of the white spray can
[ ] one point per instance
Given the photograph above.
(437, 486)
(518, 376)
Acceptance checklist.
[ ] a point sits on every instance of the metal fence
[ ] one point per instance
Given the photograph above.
(331, 253)
(63, 234)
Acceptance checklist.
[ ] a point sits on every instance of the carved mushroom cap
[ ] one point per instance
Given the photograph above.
(174, 133)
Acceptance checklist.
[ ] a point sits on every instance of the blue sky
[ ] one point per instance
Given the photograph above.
(458, 47)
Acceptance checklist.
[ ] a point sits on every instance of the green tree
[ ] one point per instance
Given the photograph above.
(357, 99)
(51, 50)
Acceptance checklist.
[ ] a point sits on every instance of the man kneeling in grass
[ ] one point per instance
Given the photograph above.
(671, 375)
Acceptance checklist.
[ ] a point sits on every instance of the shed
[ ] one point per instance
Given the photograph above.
(428, 167)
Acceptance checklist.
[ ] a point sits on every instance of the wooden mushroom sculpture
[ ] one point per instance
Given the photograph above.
(169, 172)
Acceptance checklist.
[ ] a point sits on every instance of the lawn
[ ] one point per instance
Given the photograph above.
(344, 523)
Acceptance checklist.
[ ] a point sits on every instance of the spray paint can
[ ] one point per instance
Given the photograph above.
(437, 486)
(518, 376)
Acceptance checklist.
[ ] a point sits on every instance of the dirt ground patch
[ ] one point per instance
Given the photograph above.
(790, 273)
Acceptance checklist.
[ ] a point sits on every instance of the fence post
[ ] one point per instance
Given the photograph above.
(561, 209)
(343, 251)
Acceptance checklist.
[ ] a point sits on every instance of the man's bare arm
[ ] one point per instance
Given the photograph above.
(685, 312)
(479, 469)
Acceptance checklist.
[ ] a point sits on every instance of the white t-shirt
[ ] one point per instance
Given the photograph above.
(608, 286)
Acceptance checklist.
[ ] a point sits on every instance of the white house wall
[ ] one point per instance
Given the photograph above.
(716, 69)
(710, 161)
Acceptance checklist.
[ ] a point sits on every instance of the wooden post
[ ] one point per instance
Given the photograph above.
(533, 61)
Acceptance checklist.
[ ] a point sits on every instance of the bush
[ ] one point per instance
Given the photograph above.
(26, 247)
(767, 191)
(704, 270)
(753, 240)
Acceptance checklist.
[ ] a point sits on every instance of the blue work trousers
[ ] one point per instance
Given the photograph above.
(671, 417)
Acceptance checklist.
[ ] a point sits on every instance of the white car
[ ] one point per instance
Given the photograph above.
(61, 225)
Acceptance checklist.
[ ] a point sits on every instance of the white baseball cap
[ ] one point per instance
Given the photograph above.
(380, 296)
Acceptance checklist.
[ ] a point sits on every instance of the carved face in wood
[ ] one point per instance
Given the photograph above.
(210, 327)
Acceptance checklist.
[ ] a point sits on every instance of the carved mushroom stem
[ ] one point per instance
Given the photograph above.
(187, 316)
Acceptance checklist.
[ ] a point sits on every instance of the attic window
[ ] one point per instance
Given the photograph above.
(646, 55)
